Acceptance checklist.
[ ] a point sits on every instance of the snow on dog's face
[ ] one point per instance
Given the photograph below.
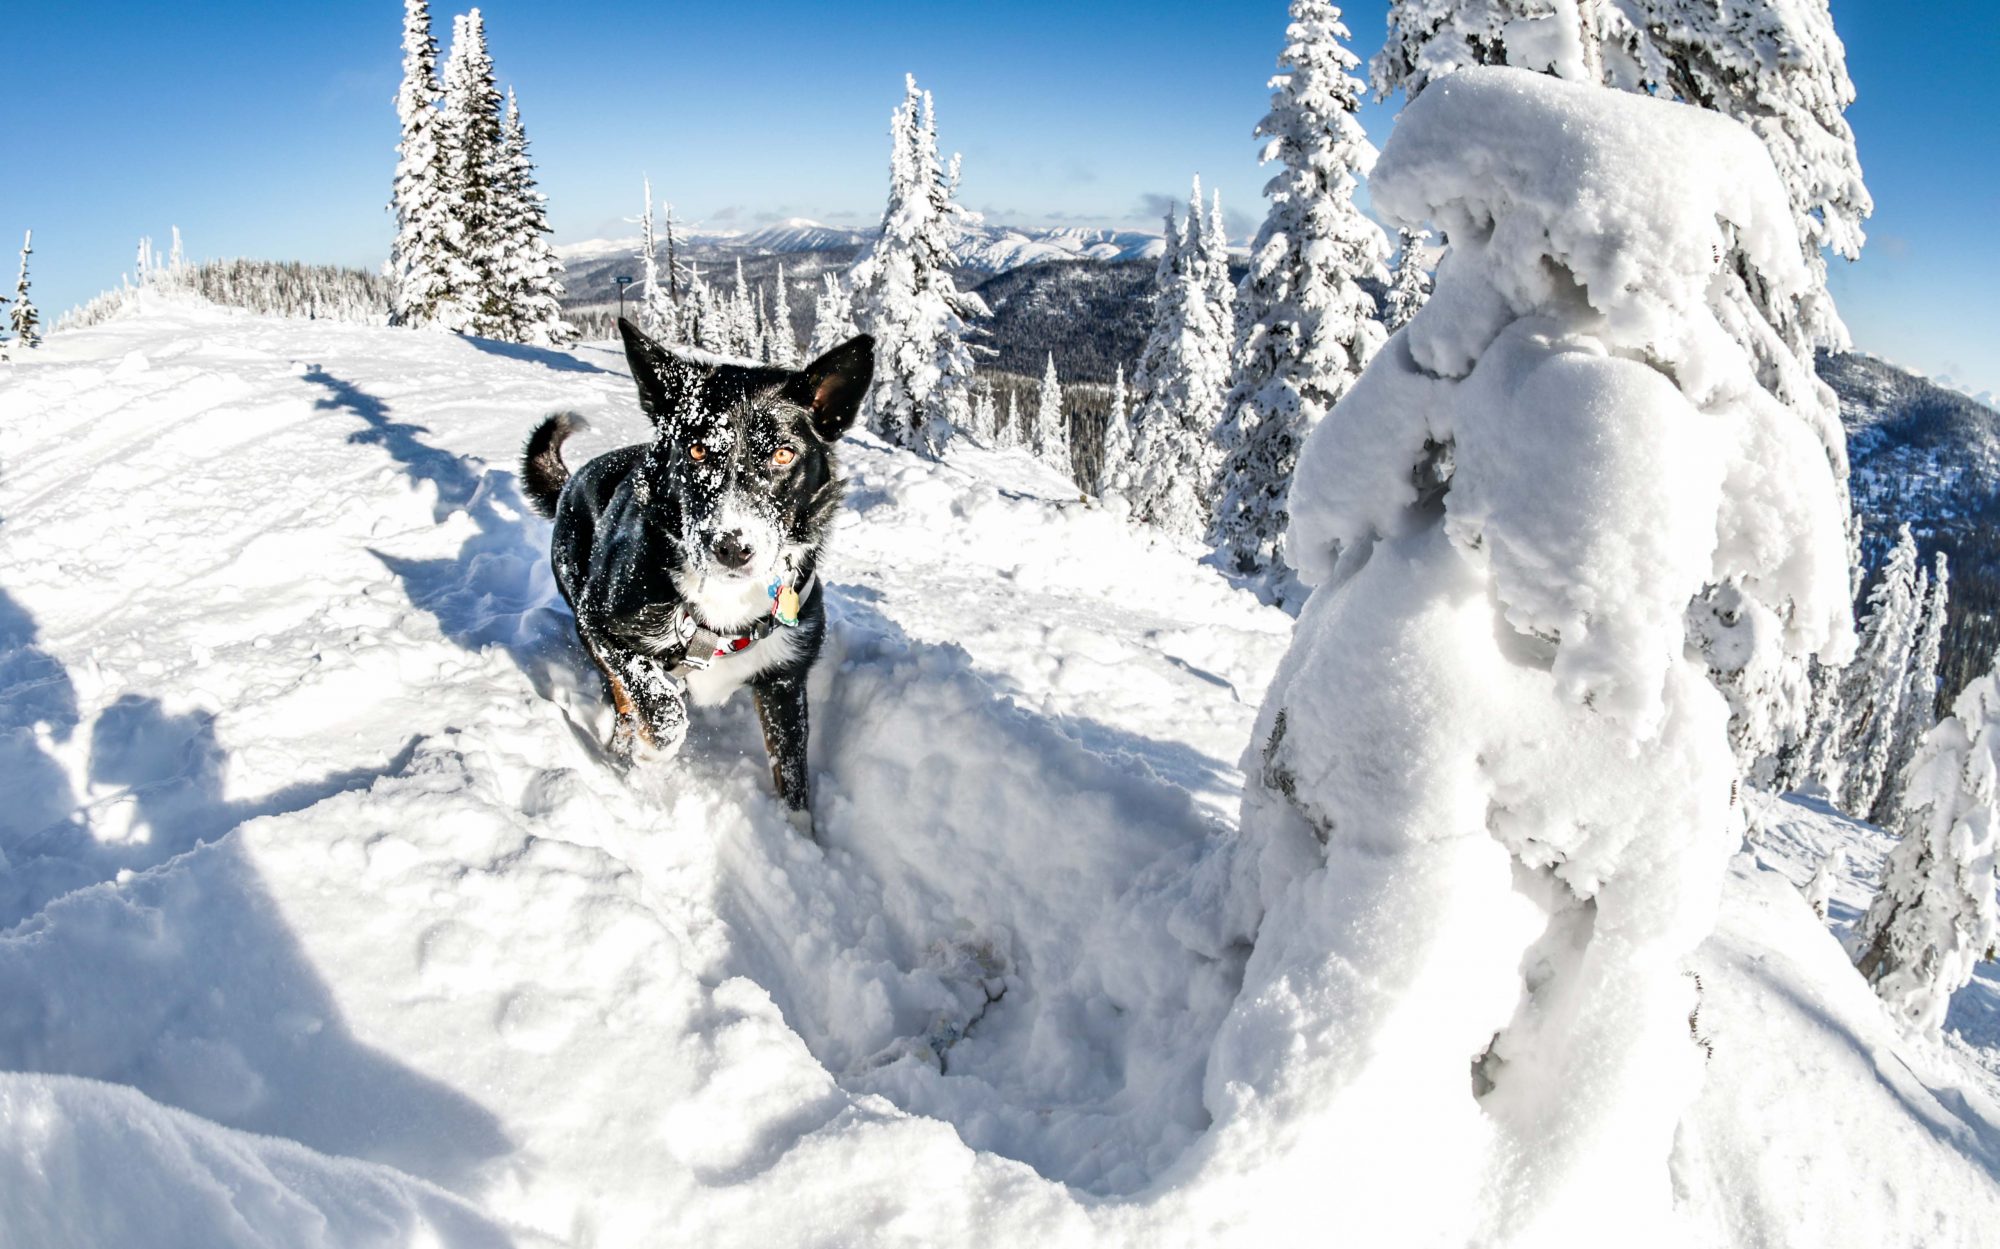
(741, 471)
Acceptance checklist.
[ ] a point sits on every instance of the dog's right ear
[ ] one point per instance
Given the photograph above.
(666, 381)
(832, 386)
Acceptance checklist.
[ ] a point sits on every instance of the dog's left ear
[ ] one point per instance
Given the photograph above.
(665, 380)
(831, 387)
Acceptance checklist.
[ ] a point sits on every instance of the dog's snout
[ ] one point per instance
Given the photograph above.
(730, 550)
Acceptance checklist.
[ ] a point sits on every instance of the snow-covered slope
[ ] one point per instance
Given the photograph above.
(323, 918)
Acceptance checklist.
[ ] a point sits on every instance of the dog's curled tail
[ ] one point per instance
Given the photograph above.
(542, 469)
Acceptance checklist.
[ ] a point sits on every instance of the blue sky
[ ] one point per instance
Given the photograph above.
(267, 130)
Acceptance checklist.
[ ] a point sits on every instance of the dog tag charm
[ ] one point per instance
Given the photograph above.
(786, 609)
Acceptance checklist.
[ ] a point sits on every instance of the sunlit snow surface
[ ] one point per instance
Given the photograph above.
(331, 924)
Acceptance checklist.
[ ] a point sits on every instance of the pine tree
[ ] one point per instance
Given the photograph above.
(1051, 426)
(1117, 456)
(1008, 434)
(781, 346)
(529, 272)
(23, 318)
(702, 320)
(1775, 65)
(1873, 686)
(1933, 919)
(833, 317)
(1182, 376)
(1778, 67)
(1410, 283)
(657, 315)
(983, 423)
(1308, 327)
(474, 300)
(742, 319)
(1819, 890)
(1919, 704)
(421, 256)
(904, 294)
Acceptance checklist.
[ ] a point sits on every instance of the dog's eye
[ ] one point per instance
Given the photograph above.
(783, 456)
(697, 452)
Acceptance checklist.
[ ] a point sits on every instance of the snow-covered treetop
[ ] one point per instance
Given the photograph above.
(1775, 65)
(1664, 230)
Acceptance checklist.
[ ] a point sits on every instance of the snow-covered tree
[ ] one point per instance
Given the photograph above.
(1775, 65)
(1182, 377)
(23, 318)
(1819, 890)
(1918, 710)
(421, 256)
(472, 300)
(833, 317)
(529, 271)
(904, 294)
(1117, 455)
(703, 321)
(1873, 686)
(780, 344)
(1778, 67)
(1051, 425)
(742, 314)
(1933, 919)
(1308, 327)
(1409, 282)
(1495, 702)
(657, 314)
(984, 420)
(1009, 433)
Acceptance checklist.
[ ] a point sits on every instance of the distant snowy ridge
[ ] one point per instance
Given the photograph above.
(985, 248)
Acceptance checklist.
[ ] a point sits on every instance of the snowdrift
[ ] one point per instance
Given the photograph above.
(323, 920)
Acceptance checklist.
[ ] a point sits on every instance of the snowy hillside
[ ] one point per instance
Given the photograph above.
(1929, 457)
(324, 919)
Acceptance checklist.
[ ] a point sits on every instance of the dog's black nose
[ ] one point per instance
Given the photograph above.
(730, 551)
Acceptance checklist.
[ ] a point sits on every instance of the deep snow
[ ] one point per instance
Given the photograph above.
(308, 836)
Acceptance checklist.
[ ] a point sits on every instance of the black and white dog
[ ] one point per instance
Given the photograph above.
(691, 561)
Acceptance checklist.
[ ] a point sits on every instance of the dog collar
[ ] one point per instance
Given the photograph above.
(705, 646)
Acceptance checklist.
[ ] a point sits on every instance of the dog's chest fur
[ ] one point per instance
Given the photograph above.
(715, 683)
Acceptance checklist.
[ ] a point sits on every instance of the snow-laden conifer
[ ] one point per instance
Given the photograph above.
(1114, 465)
(23, 318)
(528, 270)
(703, 322)
(1933, 919)
(781, 346)
(1778, 67)
(1009, 433)
(744, 340)
(983, 420)
(421, 256)
(657, 314)
(473, 300)
(833, 317)
(1775, 65)
(1819, 890)
(1307, 326)
(1918, 710)
(1498, 727)
(1052, 424)
(1409, 282)
(904, 294)
(1873, 686)
(1182, 376)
